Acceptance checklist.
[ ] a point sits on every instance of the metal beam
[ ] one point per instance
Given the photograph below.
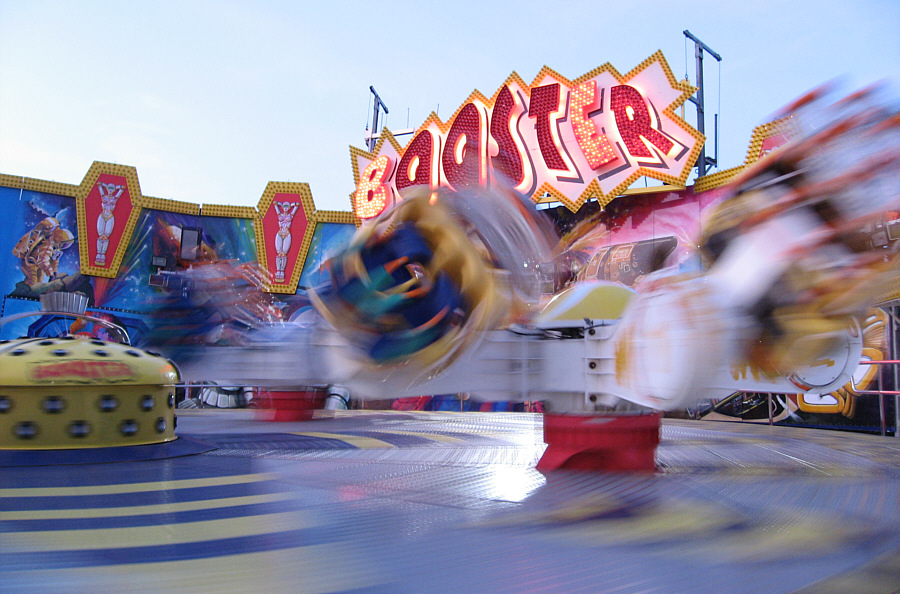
(703, 162)
(379, 104)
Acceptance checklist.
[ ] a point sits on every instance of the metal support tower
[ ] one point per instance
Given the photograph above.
(376, 112)
(703, 162)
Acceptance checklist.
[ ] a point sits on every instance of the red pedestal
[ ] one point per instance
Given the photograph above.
(601, 442)
(291, 405)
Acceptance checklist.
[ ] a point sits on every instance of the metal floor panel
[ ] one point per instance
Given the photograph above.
(390, 501)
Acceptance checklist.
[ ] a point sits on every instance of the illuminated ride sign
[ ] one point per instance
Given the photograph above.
(569, 140)
(80, 371)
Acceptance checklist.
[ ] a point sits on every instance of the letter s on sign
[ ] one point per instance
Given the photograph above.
(373, 192)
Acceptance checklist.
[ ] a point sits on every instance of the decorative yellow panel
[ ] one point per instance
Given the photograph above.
(764, 139)
(108, 202)
(222, 210)
(37, 185)
(284, 214)
(166, 205)
(717, 179)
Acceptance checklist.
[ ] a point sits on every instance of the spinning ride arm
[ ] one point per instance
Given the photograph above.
(441, 296)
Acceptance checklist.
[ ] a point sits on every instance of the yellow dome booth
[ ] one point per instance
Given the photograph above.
(69, 393)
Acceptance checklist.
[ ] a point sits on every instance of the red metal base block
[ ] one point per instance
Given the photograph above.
(601, 442)
(291, 406)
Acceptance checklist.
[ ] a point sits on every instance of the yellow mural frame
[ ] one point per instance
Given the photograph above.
(97, 169)
(313, 219)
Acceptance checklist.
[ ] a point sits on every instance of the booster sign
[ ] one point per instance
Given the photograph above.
(81, 372)
(571, 140)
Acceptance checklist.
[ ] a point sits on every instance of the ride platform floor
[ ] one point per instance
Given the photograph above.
(390, 501)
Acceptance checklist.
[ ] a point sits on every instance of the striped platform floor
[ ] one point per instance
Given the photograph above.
(450, 502)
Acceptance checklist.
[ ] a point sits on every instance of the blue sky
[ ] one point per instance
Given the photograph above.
(210, 100)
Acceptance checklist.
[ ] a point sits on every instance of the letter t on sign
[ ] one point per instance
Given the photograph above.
(544, 101)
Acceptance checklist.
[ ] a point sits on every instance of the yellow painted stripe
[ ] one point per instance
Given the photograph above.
(445, 413)
(309, 569)
(354, 440)
(143, 510)
(425, 435)
(135, 487)
(153, 536)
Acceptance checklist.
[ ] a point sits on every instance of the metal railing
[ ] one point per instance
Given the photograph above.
(881, 393)
(117, 333)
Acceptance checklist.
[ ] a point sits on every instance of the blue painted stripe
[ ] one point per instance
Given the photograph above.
(103, 474)
(13, 562)
(142, 497)
(172, 449)
(164, 519)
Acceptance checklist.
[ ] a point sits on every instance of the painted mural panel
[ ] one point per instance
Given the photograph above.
(328, 239)
(39, 253)
(38, 240)
(635, 236)
(157, 238)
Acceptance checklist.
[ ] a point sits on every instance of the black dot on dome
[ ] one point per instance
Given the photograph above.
(128, 427)
(108, 403)
(25, 430)
(79, 429)
(53, 404)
